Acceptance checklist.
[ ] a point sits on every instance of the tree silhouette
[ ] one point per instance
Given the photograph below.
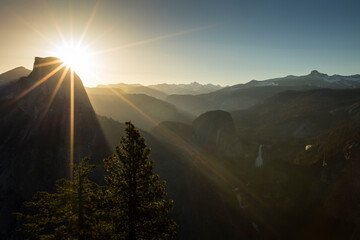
(70, 212)
(130, 206)
(135, 196)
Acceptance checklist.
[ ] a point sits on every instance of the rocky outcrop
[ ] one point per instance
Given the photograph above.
(216, 131)
(35, 135)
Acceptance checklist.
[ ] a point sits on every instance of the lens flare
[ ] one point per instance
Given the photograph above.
(75, 57)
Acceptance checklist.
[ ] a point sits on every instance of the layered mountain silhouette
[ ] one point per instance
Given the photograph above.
(193, 88)
(162, 90)
(304, 129)
(36, 131)
(242, 96)
(143, 110)
(123, 88)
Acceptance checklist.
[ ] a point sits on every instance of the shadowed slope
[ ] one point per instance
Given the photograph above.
(40, 113)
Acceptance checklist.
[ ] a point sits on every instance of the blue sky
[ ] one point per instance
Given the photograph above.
(235, 41)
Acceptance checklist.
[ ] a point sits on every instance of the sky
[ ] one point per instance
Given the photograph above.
(181, 41)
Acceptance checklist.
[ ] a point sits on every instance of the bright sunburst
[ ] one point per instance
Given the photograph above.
(77, 57)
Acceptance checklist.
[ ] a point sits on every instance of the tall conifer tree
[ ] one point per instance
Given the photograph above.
(135, 195)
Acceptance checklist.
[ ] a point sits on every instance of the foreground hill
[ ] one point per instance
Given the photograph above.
(243, 96)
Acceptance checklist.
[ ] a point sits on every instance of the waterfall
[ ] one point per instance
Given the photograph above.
(238, 197)
(259, 160)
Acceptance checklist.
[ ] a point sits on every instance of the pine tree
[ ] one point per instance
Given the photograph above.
(69, 213)
(135, 197)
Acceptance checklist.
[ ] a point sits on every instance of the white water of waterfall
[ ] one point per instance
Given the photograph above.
(259, 160)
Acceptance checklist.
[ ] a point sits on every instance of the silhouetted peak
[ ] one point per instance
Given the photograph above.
(216, 130)
(39, 60)
(50, 75)
(317, 73)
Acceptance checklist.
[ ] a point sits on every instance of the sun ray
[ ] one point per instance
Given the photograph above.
(210, 169)
(33, 28)
(55, 23)
(154, 39)
(133, 106)
(47, 63)
(58, 85)
(39, 82)
(58, 30)
(72, 95)
(99, 36)
(91, 18)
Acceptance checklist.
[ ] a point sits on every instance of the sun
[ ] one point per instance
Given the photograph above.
(76, 57)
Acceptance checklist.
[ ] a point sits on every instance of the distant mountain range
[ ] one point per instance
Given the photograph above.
(314, 79)
(242, 96)
(160, 91)
(193, 88)
(124, 88)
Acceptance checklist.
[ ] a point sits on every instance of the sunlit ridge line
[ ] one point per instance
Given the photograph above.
(153, 39)
(91, 18)
(39, 82)
(47, 63)
(71, 165)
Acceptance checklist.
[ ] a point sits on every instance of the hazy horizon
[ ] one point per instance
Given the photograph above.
(151, 42)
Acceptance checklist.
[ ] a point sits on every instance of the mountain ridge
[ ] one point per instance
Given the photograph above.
(13, 75)
(245, 95)
(36, 135)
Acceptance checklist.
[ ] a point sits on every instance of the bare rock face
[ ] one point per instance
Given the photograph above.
(35, 134)
(216, 131)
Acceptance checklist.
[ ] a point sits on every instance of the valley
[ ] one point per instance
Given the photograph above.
(272, 159)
